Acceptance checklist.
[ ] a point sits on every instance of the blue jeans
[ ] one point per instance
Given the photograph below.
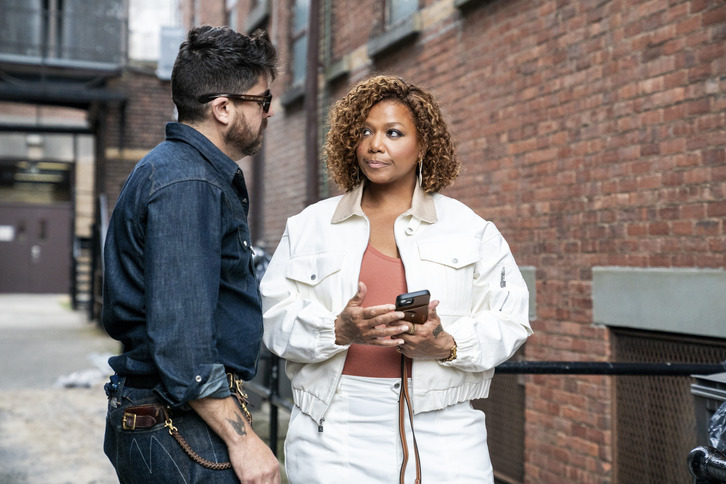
(152, 455)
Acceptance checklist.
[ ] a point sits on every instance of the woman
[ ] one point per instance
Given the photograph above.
(328, 294)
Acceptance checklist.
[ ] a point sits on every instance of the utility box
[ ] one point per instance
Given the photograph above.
(709, 392)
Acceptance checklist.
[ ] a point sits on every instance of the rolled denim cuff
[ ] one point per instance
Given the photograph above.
(217, 385)
(209, 381)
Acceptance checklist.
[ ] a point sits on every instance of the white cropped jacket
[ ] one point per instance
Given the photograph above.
(445, 247)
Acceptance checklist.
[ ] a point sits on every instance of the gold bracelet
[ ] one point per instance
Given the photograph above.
(452, 355)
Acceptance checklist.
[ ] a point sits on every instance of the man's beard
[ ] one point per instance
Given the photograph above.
(243, 139)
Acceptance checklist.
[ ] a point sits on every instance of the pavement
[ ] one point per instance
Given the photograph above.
(53, 364)
(52, 404)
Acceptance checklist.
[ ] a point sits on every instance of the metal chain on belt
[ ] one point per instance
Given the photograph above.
(236, 387)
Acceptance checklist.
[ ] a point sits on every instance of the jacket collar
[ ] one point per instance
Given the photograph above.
(422, 205)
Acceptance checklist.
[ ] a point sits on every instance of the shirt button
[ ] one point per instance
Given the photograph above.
(313, 277)
(409, 230)
(198, 378)
(454, 260)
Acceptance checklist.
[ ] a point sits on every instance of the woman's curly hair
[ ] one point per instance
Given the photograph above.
(440, 162)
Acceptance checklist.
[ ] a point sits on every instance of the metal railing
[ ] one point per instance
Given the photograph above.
(707, 465)
(610, 368)
(704, 462)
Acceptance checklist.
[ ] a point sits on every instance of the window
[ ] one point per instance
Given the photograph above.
(231, 14)
(300, 20)
(399, 10)
(402, 25)
(66, 31)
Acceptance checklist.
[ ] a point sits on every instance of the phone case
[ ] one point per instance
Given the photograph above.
(415, 306)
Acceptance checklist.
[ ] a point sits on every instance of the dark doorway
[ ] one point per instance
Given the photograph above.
(36, 223)
(35, 248)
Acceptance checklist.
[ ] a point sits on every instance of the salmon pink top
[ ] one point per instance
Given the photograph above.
(385, 279)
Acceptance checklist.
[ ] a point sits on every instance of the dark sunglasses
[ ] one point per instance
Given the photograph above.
(265, 100)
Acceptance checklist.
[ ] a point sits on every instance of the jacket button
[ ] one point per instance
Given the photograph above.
(198, 378)
(409, 230)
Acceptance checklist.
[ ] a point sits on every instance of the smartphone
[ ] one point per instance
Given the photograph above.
(415, 306)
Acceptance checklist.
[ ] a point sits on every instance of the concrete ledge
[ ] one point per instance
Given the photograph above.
(395, 36)
(293, 95)
(688, 301)
(337, 69)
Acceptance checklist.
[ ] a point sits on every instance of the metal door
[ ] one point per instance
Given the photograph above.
(35, 248)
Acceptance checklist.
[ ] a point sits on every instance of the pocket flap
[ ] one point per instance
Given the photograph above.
(456, 255)
(311, 269)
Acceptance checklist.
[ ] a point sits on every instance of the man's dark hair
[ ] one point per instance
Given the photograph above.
(218, 60)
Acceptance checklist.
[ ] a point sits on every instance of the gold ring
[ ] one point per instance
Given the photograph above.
(412, 331)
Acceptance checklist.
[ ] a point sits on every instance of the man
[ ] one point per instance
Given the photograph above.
(180, 290)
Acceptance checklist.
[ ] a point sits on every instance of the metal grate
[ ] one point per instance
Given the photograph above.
(504, 410)
(655, 415)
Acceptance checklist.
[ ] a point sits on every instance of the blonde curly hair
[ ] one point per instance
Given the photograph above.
(440, 164)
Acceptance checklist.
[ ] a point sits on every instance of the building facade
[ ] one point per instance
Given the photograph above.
(593, 133)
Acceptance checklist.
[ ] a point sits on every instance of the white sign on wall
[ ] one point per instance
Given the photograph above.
(7, 233)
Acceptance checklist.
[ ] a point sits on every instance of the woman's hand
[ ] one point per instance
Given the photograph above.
(429, 340)
(376, 325)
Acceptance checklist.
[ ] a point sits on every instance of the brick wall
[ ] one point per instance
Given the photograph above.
(129, 138)
(591, 133)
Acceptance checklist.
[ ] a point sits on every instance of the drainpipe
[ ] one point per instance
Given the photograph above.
(311, 106)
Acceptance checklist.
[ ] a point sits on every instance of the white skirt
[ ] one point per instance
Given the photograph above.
(360, 443)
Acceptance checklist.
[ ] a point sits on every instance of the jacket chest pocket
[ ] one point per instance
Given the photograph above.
(316, 274)
(449, 270)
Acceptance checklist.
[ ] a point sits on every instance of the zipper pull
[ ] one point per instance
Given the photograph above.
(502, 280)
(320, 424)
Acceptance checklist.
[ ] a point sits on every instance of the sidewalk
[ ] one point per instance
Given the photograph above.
(51, 433)
(52, 404)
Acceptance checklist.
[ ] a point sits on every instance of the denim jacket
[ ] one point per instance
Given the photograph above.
(445, 247)
(180, 292)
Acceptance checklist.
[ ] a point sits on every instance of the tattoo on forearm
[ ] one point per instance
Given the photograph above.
(238, 425)
(437, 331)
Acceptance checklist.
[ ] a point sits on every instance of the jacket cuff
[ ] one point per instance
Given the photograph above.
(467, 343)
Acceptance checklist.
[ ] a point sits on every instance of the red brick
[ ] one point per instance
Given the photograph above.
(592, 135)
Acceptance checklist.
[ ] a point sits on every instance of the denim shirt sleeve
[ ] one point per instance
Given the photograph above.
(182, 274)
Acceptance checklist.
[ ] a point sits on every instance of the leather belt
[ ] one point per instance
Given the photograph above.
(143, 416)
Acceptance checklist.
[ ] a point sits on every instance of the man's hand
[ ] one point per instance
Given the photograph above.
(252, 460)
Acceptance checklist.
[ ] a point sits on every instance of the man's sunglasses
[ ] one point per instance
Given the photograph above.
(264, 100)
